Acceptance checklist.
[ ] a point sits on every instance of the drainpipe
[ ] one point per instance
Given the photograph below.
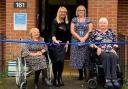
(126, 59)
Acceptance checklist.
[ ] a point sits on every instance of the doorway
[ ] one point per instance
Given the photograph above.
(47, 10)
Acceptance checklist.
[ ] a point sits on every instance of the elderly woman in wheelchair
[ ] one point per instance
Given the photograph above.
(34, 55)
(106, 52)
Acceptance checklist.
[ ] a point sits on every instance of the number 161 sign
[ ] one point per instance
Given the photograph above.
(20, 4)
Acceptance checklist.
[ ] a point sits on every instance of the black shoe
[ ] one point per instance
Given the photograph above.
(116, 83)
(60, 81)
(108, 85)
(80, 74)
(48, 82)
(36, 86)
(56, 83)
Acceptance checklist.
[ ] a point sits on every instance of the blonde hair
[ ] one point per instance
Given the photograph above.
(103, 19)
(57, 17)
(32, 30)
(79, 7)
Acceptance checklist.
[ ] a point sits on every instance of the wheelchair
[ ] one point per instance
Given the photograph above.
(96, 75)
(23, 70)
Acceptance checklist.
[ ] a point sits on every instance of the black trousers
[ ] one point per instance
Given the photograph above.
(37, 74)
(109, 61)
(57, 54)
(58, 69)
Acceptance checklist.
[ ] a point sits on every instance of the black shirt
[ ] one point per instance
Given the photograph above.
(60, 31)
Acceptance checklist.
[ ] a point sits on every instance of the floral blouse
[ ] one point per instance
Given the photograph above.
(81, 28)
(28, 48)
(108, 36)
(37, 62)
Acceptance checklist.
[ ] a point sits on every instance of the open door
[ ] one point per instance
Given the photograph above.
(48, 10)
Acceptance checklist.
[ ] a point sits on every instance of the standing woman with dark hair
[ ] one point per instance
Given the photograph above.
(80, 28)
(60, 33)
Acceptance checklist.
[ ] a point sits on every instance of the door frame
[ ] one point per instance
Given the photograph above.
(43, 23)
(43, 8)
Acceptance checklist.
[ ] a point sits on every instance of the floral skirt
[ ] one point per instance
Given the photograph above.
(79, 56)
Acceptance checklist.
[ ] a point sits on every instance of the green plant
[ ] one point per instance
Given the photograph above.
(3, 75)
(125, 85)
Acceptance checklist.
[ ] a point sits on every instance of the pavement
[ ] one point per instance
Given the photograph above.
(70, 82)
(69, 77)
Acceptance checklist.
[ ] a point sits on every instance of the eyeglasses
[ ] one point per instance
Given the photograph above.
(81, 10)
(63, 11)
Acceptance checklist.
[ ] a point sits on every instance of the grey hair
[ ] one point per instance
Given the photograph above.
(32, 29)
(103, 19)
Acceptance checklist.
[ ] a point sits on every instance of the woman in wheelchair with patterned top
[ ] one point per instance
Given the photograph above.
(106, 52)
(34, 55)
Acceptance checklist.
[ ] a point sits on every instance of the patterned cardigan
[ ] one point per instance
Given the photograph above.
(108, 36)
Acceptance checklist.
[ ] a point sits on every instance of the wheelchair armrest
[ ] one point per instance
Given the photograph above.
(92, 49)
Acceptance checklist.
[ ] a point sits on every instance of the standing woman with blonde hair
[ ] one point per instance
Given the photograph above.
(80, 28)
(60, 33)
(34, 55)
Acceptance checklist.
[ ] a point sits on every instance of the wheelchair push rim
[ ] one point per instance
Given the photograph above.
(92, 83)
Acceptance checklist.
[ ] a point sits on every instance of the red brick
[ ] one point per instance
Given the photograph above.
(11, 34)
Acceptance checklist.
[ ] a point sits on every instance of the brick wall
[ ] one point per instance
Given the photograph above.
(12, 49)
(104, 8)
(2, 29)
(123, 17)
(123, 30)
(2, 15)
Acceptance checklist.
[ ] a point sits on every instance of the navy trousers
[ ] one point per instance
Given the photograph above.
(109, 61)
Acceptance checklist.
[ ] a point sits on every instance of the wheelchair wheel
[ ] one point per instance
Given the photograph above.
(20, 74)
(92, 83)
(49, 67)
(49, 72)
(23, 85)
(18, 71)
